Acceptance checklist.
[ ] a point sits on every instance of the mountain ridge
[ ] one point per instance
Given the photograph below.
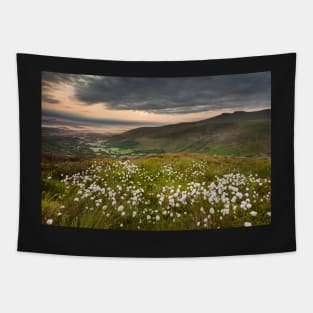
(261, 114)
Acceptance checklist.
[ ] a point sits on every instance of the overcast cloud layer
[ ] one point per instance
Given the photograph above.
(165, 95)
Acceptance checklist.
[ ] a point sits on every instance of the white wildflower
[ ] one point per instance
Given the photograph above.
(120, 208)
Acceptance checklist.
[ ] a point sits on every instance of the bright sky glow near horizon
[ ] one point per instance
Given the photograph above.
(114, 104)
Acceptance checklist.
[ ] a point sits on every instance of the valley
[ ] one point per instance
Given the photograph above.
(234, 134)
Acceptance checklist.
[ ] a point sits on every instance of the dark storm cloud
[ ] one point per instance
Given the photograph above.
(169, 95)
(49, 99)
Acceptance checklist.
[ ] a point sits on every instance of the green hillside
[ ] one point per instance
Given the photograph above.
(238, 133)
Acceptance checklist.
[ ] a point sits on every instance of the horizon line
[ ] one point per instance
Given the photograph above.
(72, 120)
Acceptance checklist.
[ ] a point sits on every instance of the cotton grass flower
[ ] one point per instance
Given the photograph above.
(120, 208)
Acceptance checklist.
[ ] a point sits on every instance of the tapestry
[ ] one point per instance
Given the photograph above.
(158, 158)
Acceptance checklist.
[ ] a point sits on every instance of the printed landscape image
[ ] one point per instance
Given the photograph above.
(160, 154)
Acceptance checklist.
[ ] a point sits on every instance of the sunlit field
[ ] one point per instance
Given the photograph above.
(163, 192)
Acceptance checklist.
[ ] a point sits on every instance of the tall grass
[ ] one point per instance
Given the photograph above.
(161, 192)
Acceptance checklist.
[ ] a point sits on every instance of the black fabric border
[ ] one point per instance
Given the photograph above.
(279, 236)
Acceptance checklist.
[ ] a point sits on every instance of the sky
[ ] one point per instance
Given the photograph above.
(114, 104)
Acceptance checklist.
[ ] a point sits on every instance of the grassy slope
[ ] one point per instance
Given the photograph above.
(240, 133)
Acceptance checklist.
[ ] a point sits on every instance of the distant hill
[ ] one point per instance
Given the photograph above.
(239, 133)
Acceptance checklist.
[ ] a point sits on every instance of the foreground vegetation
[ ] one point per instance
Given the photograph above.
(162, 192)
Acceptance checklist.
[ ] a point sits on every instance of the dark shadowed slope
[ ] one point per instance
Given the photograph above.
(238, 133)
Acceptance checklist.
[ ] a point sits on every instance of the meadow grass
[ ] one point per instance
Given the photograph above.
(157, 192)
